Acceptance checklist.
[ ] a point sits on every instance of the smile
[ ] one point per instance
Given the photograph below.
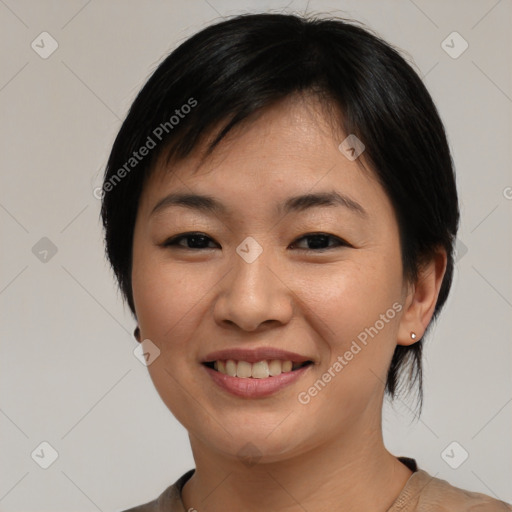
(256, 372)
(259, 370)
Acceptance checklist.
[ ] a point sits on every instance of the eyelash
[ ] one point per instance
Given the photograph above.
(174, 241)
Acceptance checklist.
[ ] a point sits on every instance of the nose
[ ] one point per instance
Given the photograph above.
(252, 295)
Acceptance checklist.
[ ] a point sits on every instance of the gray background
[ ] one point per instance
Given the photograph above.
(68, 374)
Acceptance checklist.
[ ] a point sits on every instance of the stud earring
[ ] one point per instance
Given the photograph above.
(413, 335)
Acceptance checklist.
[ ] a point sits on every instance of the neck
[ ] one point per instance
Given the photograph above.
(353, 471)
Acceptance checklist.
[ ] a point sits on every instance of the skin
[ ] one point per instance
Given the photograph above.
(329, 453)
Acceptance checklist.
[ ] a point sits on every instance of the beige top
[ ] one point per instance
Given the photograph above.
(421, 493)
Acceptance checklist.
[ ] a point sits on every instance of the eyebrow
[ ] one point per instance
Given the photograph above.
(210, 205)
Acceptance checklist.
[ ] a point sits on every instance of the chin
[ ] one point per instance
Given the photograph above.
(255, 443)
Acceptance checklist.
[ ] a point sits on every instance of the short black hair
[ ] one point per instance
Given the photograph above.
(236, 67)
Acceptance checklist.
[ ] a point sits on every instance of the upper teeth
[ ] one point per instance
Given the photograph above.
(259, 370)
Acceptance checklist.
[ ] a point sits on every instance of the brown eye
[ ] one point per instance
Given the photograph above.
(193, 241)
(320, 241)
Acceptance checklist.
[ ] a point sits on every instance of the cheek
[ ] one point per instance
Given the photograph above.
(172, 300)
(155, 293)
(359, 293)
(361, 306)
(168, 305)
(165, 300)
(359, 312)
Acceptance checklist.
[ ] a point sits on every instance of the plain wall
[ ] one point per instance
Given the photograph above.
(68, 374)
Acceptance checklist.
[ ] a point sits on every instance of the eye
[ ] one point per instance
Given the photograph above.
(320, 240)
(199, 241)
(194, 241)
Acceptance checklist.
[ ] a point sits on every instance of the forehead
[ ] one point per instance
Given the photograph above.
(289, 149)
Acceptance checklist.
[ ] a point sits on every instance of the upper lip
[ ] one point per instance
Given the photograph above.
(255, 355)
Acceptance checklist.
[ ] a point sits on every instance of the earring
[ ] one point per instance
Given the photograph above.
(413, 335)
(136, 333)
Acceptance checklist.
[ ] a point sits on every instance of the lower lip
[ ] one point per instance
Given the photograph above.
(255, 388)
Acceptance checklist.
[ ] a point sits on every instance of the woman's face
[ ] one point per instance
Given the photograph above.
(257, 282)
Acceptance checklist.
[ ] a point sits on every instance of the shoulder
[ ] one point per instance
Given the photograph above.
(424, 493)
(170, 499)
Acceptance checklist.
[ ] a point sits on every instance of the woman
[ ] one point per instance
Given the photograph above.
(280, 212)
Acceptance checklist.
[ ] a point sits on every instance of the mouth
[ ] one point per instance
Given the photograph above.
(264, 369)
(255, 373)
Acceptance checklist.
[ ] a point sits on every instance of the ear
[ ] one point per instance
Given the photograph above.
(421, 299)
